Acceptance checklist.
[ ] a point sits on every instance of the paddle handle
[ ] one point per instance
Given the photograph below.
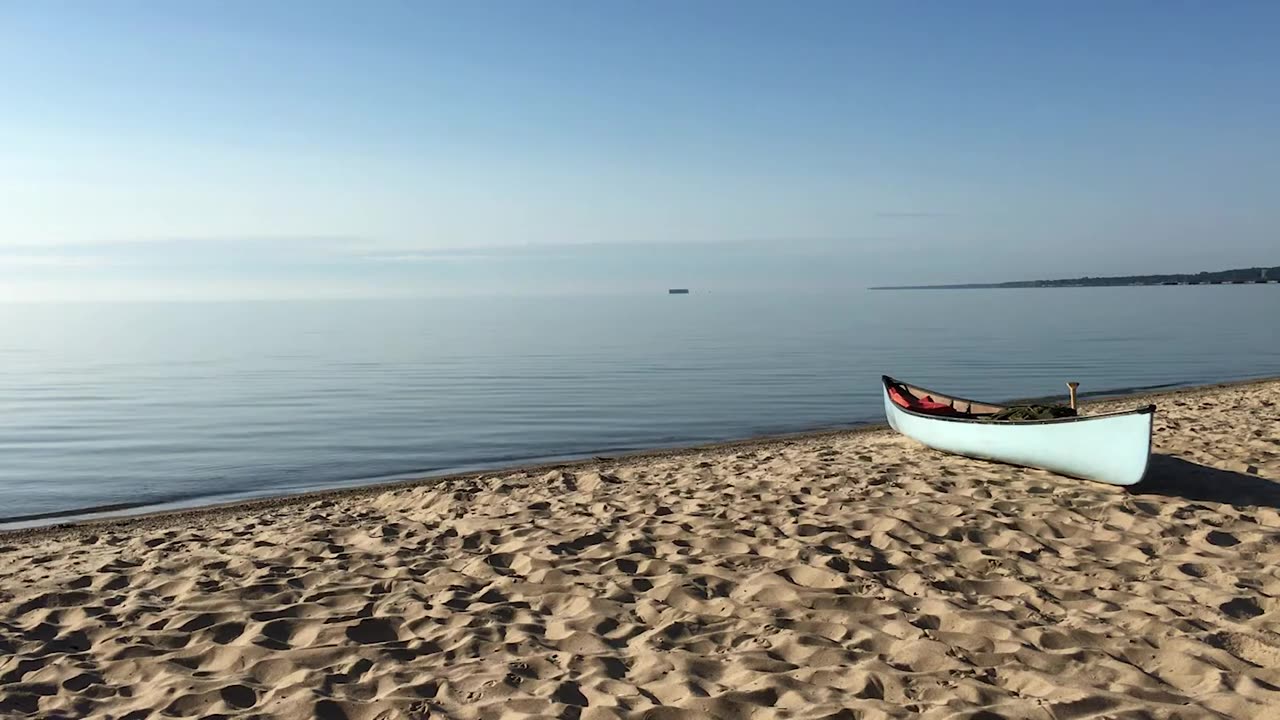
(1071, 387)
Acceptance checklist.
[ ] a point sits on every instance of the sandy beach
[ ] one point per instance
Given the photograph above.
(851, 575)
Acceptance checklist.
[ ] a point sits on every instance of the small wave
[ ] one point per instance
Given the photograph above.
(56, 514)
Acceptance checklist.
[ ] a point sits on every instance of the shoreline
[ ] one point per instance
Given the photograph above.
(851, 573)
(82, 519)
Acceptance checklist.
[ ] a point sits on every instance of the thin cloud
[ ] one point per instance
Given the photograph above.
(576, 249)
(426, 257)
(60, 260)
(185, 242)
(913, 214)
(180, 251)
(176, 252)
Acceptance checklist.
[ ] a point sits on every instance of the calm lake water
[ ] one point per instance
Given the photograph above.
(192, 403)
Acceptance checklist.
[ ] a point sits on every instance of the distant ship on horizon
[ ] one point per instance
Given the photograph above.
(678, 291)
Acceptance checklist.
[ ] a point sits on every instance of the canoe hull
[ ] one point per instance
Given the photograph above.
(1113, 448)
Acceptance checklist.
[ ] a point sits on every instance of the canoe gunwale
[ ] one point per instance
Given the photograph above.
(888, 381)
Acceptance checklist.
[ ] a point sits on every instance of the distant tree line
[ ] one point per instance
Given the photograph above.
(1221, 277)
(1255, 274)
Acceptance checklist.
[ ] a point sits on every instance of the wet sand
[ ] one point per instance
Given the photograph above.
(848, 575)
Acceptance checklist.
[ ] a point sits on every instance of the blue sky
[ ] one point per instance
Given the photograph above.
(319, 149)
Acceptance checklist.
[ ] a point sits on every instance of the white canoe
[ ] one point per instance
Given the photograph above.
(1111, 448)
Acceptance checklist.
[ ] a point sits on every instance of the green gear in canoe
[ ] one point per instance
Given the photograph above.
(1016, 413)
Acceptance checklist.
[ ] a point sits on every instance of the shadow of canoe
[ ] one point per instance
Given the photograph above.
(1174, 477)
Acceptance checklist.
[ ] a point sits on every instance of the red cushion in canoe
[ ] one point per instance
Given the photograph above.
(928, 404)
(924, 405)
(897, 398)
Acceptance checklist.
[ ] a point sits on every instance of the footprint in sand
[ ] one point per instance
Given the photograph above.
(1241, 609)
(373, 631)
(240, 697)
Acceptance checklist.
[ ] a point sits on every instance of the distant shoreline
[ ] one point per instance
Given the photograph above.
(1237, 276)
(1047, 286)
